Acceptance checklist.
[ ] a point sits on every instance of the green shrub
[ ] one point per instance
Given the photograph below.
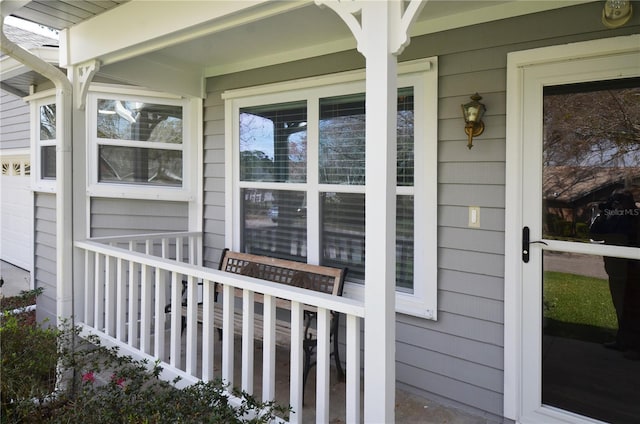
(102, 387)
(29, 359)
(25, 298)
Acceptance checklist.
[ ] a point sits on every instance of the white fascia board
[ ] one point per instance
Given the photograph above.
(140, 26)
(492, 12)
(10, 67)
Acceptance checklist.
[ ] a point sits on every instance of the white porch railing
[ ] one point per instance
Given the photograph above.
(130, 280)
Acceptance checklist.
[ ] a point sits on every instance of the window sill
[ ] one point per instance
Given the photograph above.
(406, 303)
(44, 186)
(126, 191)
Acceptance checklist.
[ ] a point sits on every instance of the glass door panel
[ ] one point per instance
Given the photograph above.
(590, 303)
(583, 370)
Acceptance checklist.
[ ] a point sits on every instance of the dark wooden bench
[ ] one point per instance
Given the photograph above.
(312, 277)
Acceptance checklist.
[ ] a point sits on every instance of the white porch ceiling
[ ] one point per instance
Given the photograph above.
(253, 35)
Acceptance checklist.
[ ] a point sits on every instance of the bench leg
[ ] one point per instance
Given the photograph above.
(308, 347)
(336, 357)
(335, 323)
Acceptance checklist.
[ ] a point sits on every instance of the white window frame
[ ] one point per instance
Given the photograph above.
(191, 116)
(422, 75)
(36, 101)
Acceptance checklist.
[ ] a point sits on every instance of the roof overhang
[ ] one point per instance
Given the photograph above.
(200, 39)
(229, 36)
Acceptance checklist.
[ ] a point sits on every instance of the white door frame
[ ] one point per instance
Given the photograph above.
(528, 70)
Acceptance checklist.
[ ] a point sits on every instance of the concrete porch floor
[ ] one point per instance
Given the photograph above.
(410, 408)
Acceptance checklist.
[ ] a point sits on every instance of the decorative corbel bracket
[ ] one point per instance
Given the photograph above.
(82, 76)
(402, 32)
(351, 12)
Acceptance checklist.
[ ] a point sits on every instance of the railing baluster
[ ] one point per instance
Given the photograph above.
(176, 320)
(228, 307)
(121, 300)
(353, 369)
(208, 299)
(145, 309)
(296, 362)
(110, 291)
(134, 294)
(165, 247)
(90, 286)
(98, 318)
(247, 340)
(192, 325)
(179, 250)
(322, 367)
(193, 251)
(160, 301)
(269, 349)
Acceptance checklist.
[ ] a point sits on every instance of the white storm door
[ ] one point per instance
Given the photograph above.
(580, 148)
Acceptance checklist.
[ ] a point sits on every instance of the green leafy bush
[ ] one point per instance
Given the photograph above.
(29, 359)
(99, 386)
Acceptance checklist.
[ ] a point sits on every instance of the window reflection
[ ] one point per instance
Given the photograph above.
(591, 148)
(273, 143)
(591, 313)
(129, 134)
(48, 122)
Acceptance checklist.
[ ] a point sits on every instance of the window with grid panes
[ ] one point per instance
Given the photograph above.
(300, 179)
(138, 145)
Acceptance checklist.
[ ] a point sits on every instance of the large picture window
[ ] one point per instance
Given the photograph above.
(139, 145)
(299, 179)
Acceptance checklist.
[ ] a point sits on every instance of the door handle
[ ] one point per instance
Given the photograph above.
(526, 242)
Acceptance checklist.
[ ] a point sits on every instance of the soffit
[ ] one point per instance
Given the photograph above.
(236, 42)
(17, 78)
(62, 14)
(311, 31)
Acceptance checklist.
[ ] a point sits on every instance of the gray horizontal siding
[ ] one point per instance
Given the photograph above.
(111, 217)
(14, 125)
(45, 255)
(476, 398)
(459, 358)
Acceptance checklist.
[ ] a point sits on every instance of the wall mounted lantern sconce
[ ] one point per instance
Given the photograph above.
(473, 112)
(616, 13)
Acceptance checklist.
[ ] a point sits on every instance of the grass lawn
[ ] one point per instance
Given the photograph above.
(578, 307)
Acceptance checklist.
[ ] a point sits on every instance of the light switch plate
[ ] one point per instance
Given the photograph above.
(474, 216)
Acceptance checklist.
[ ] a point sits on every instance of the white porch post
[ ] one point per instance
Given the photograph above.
(380, 215)
(64, 214)
(80, 77)
(381, 35)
